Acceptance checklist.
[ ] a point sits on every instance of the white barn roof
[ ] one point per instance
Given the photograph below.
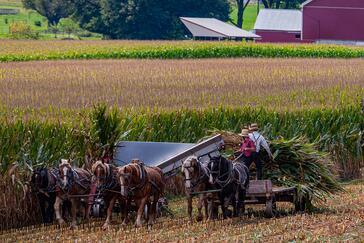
(279, 20)
(211, 27)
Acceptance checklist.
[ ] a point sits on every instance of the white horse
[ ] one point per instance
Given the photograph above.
(196, 180)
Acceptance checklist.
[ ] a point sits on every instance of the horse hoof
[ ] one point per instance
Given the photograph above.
(61, 222)
(106, 227)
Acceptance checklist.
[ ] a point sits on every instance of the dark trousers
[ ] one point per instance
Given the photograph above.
(258, 164)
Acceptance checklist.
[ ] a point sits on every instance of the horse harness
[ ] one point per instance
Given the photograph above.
(201, 176)
(72, 178)
(110, 182)
(237, 167)
(223, 183)
(242, 172)
(50, 188)
(144, 179)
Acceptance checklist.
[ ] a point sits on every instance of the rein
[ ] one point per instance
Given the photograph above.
(196, 181)
(49, 187)
(73, 178)
(143, 180)
(110, 181)
(221, 182)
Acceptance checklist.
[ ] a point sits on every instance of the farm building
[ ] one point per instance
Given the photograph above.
(279, 25)
(333, 21)
(214, 29)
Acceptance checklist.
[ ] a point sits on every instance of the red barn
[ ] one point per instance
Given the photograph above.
(333, 20)
(279, 25)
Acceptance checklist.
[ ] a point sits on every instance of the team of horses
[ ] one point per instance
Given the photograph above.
(137, 186)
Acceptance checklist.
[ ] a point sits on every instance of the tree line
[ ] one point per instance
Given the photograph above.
(142, 19)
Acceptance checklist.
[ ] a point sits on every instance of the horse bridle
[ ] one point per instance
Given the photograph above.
(143, 179)
(195, 181)
(222, 183)
(109, 182)
(47, 189)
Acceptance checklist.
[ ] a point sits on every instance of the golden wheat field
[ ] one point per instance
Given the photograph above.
(340, 219)
(279, 84)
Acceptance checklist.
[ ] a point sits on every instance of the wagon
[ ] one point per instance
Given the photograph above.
(167, 156)
(264, 192)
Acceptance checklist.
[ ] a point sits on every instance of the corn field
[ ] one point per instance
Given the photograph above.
(58, 50)
(275, 84)
(49, 110)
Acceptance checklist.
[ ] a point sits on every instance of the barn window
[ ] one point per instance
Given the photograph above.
(298, 36)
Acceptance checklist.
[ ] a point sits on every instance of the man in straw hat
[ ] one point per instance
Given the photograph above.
(247, 148)
(259, 141)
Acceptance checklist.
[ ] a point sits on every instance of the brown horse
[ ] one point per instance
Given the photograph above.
(107, 185)
(73, 184)
(139, 183)
(196, 180)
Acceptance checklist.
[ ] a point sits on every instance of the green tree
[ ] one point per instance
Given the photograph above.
(287, 4)
(69, 26)
(53, 10)
(145, 19)
(241, 4)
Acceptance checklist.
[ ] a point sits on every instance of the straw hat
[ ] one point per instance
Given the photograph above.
(244, 133)
(253, 127)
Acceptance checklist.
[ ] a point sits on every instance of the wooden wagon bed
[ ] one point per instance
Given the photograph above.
(264, 192)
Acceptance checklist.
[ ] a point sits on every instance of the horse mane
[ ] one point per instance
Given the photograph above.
(106, 167)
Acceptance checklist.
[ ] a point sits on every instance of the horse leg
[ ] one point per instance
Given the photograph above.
(205, 202)
(242, 204)
(57, 208)
(147, 211)
(227, 202)
(51, 202)
(141, 206)
(125, 210)
(237, 203)
(189, 206)
(199, 207)
(109, 213)
(223, 206)
(42, 206)
(153, 209)
(74, 213)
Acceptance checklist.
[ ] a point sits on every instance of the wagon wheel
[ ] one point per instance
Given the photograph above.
(300, 205)
(270, 207)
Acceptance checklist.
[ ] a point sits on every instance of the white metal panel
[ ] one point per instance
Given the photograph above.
(199, 31)
(305, 3)
(211, 27)
(279, 20)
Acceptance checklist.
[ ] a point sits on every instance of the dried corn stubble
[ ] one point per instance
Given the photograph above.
(340, 219)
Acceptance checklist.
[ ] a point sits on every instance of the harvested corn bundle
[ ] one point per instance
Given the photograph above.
(296, 162)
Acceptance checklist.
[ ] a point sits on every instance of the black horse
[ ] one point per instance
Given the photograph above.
(232, 179)
(43, 184)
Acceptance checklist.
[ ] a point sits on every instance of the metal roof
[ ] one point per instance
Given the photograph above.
(306, 2)
(167, 156)
(211, 27)
(151, 153)
(279, 20)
